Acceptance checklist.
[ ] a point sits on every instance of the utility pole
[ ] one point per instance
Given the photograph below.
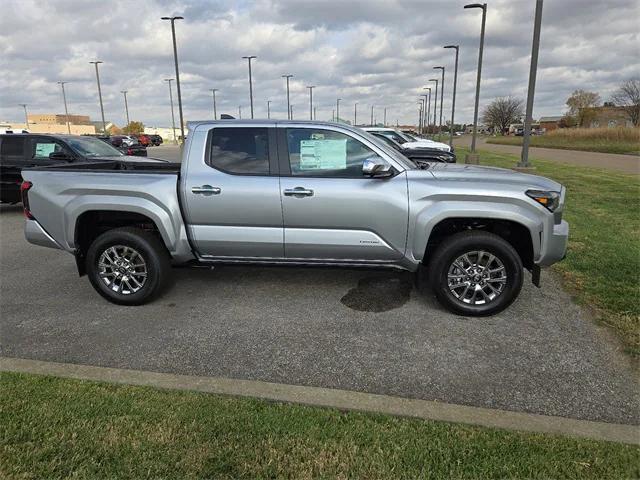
(126, 105)
(215, 113)
(175, 59)
(288, 103)
(311, 87)
(26, 117)
(104, 124)
(441, 100)
(453, 102)
(249, 58)
(524, 158)
(473, 157)
(338, 109)
(355, 114)
(268, 108)
(173, 118)
(66, 111)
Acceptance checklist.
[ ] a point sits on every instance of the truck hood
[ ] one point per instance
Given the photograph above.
(427, 144)
(475, 173)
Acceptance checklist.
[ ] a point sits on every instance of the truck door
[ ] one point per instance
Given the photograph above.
(333, 212)
(231, 193)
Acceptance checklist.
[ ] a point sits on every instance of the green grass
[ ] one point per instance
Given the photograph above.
(58, 428)
(583, 144)
(603, 262)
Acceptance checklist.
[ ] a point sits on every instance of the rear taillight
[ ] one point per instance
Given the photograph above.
(24, 193)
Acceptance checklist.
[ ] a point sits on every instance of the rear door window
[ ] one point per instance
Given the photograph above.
(42, 147)
(240, 151)
(12, 147)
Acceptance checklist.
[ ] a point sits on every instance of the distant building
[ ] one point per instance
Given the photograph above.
(550, 123)
(483, 129)
(97, 125)
(600, 117)
(167, 133)
(58, 119)
(50, 128)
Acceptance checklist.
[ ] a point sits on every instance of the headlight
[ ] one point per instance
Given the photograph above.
(549, 200)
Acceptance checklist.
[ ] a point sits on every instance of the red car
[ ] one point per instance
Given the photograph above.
(144, 139)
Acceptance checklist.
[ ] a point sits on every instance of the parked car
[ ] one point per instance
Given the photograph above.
(418, 155)
(406, 141)
(144, 139)
(156, 140)
(298, 193)
(20, 151)
(126, 146)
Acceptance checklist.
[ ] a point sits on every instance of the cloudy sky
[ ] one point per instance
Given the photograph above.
(373, 52)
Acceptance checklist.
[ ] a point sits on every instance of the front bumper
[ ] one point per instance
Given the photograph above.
(555, 245)
(34, 233)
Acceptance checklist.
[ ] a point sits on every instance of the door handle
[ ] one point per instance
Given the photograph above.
(298, 192)
(206, 190)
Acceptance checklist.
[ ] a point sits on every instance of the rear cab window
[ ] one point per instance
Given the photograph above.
(239, 150)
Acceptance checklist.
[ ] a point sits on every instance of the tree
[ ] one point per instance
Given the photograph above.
(134, 127)
(502, 112)
(567, 121)
(581, 105)
(628, 96)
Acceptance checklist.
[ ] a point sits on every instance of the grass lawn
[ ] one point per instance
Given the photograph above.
(584, 144)
(59, 428)
(603, 263)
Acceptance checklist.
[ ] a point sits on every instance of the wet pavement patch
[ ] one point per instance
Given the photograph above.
(379, 293)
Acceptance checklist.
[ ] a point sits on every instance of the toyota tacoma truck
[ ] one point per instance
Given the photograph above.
(298, 193)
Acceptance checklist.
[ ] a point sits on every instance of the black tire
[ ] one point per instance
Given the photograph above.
(457, 245)
(153, 254)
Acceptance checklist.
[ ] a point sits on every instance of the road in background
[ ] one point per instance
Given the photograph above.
(610, 161)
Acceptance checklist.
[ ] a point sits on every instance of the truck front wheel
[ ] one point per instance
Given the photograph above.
(128, 266)
(476, 273)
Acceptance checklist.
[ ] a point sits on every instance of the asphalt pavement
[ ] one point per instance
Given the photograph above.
(368, 331)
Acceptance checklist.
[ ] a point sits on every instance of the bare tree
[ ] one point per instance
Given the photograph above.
(628, 96)
(502, 112)
(581, 105)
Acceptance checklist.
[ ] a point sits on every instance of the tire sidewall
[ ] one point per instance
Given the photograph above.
(465, 243)
(143, 247)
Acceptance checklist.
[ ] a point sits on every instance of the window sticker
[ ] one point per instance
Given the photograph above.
(44, 149)
(323, 154)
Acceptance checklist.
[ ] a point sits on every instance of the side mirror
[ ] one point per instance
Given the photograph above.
(59, 156)
(376, 167)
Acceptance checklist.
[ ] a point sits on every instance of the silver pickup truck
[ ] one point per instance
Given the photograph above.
(298, 193)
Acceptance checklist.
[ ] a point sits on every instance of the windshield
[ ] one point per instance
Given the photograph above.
(92, 147)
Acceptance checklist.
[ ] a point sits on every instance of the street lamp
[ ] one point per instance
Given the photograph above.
(240, 111)
(311, 87)
(104, 124)
(420, 110)
(315, 113)
(338, 109)
(355, 114)
(453, 102)
(26, 117)
(173, 118)
(288, 103)
(372, 115)
(215, 112)
(384, 122)
(175, 59)
(524, 158)
(268, 108)
(126, 105)
(249, 58)
(441, 100)
(424, 111)
(291, 112)
(66, 112)
(473, 158)
(428, 110)
(435, 103)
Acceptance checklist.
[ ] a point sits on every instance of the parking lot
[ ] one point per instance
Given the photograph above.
(360, 330)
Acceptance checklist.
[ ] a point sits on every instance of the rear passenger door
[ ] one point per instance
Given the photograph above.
(231, 193)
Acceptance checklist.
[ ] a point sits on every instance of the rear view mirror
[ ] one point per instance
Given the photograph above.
(376, 167)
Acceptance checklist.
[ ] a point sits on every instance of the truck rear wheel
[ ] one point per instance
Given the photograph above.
(128, 266)
(476, 273)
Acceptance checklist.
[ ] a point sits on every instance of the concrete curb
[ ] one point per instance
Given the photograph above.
(340, 399)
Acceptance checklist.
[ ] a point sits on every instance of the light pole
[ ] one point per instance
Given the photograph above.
(384, 122)
(126, 105)
(372, 115)
(355, 114)
(473, 158)
(424, 111)
(524, 158)
(315, 113)
(441, 100)
(26, 117)
(240, 111)
(175, 59)
(453, 102)
(428, 109)
(338, 109)
(288, 103)
(173, 118)
(435, 103)
(215, 112)
(249, 58)
(311, 87)
(268, 108)
(104, 124)
(291, 112)
(66, 111)
(420, 110)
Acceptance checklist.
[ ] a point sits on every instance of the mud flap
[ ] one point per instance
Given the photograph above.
(535, 275)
